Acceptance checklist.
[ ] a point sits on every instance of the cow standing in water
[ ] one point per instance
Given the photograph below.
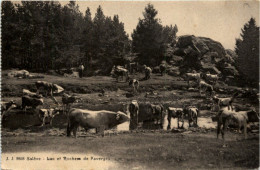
(134, 110)
(88, 119)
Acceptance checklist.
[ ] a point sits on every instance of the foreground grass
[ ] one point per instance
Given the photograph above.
(150, 150)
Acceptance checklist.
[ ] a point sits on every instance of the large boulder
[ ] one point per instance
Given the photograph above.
(204, 54)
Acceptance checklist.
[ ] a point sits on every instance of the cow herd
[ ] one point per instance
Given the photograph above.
(139, 112)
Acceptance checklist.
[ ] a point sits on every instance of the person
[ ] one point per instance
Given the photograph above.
(81, 68)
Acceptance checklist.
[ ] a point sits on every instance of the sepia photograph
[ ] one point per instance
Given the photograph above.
(138, 85)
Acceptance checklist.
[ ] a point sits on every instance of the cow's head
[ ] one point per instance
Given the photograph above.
(122, 117)
(252, 116)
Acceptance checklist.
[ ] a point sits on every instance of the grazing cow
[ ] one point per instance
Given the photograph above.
(158, 114)
(119, 71)
(192, 76)
(88, 119)
(207, 88)
(6, 107)
(220, 102)
(175, 113)
(32, 102)
(192, 113)
(211, 78)
(135, 84)
(242, 118)
(67, 100)
(49, 88)
(134, 110)
(148, 72)
(31, 94)
(47, 114)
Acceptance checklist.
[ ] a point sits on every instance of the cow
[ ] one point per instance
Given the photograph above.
(134, 110)
(158, 114)
(32, 102)
(119, 71)
(147, 71)
(31, 94)
(47, 114)
(135, 84)
(227, 101)
(49, 88)
(67, 100)
(162, 68)
(242, 118)
(6, 107)
(192, 114)
(88, 119)
(207, 88)
(192, 76)
(175, 113)
(211, 78)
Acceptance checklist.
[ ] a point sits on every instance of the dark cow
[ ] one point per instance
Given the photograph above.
(6, 107)
(119, 71)
(133, 109)
(135, 84)
(31, 94)
(31, 102)
(88, 119)
(49, 88)
(47, 114)
(67, 100)
(162, 69)
(175, 113)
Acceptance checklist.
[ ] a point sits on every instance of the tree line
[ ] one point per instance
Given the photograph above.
(44, 35)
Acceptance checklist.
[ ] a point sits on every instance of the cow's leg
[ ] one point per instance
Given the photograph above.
(245, 129)
(178, 119)
(225, 124)
(218, 128)
(169, 121)
(68, 129)
(43, 121)
(182, 119)
(76, 125)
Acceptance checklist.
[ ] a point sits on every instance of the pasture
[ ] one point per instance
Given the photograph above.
(189, 148)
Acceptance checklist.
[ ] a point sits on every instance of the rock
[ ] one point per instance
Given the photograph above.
(18, 73)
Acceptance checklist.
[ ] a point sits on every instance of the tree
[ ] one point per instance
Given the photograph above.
(247, 49)
(9, 25)
(149, 38)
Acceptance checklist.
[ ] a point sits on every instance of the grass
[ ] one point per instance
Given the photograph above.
(150, 150)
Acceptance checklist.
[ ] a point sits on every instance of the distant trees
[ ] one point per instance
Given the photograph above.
(150, 37)
(43, 35)
(247, 49)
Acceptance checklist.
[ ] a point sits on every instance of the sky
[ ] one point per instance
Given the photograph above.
(219, 20)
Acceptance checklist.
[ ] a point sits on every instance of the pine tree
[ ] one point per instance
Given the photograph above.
(247, 49)
(147, 38)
